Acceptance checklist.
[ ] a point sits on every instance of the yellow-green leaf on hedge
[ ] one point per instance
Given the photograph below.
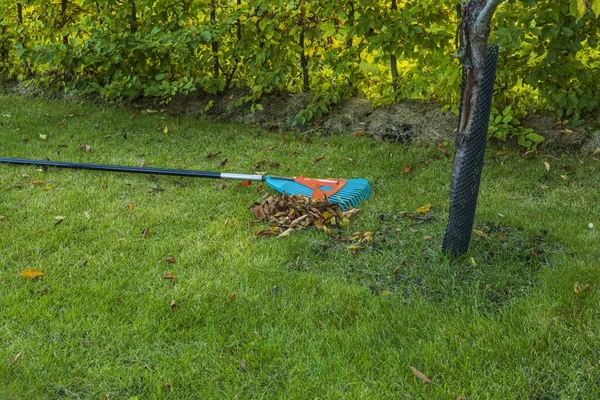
(596, 7)
(577, 8)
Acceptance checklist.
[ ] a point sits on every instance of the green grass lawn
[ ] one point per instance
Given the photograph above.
(310, 317)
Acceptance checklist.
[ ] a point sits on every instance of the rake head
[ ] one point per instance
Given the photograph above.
(345, 192)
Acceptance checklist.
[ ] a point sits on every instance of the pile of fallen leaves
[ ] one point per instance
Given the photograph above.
(286, 214)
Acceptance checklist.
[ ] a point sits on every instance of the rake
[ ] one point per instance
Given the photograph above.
(345, 192)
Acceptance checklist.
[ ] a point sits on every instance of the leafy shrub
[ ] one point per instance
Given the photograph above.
(383, 50)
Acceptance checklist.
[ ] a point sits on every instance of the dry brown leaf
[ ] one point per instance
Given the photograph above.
(212, 155)
(578, 288)
(421, 376)
(173, 305)
(352, 160)
(171, 260)
(31, 273)
(424, 209)
(222, 163)
(501, 153)
(259, 164)
(319, 159)
(351, 212)
(407, 170)
(130, 207)
(270, 148)
(231, 297)
(360, 132)
(441, 148)
(547, 165)
(272, 231)
(145, 232)
(427, 237)
(501, 236)
(285, 233)
(169, 276)
(16, 357)
(274, 165)
(481, 233)
(37, 182)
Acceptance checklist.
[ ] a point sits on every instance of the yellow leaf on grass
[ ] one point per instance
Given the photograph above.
(421, 376)
(407, 170)
(424, 209)
(166, 130)
(47, 188)
(501, 153)
(16, 357)
(481, 233)
(547, 165)
(130, 207)
(31, 273)
(37, 182)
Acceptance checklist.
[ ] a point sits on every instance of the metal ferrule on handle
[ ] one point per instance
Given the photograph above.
(139, 170)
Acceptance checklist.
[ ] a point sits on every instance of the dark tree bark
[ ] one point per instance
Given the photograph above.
(19, 13)
(63, 16)
(479, 63)
(133, 18)
(215, 43)
(304, 64)
(393, 61)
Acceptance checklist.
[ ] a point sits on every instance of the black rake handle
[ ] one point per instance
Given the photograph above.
(138, 170)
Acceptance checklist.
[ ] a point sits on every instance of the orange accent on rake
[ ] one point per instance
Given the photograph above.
(317, 184)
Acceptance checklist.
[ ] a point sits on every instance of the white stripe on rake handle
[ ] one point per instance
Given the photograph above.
(242, 177)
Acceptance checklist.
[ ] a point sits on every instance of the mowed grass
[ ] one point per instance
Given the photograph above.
(517, 317)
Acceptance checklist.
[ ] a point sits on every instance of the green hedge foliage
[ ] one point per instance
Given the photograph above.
(384, 50)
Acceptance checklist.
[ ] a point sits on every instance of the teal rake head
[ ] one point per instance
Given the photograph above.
(345, 192)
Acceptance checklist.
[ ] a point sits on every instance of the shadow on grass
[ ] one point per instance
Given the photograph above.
(502, 264)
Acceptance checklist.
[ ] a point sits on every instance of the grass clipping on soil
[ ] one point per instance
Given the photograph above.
(286, 214)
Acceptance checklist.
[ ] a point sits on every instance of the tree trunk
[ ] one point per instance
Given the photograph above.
(215, 43)
(63, 16)
(393, 61)
(133, 18)
(304, 64)
(19, 14)
(479, 68)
